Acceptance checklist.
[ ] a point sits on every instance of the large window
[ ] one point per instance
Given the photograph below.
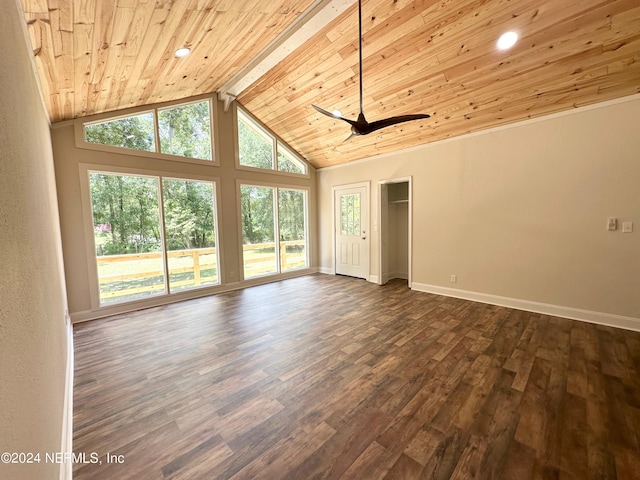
(190, 231)
(292, 228)
(182, 130)
(135, 132)
(128, 240)
(274, 233)
(258, 230)
(185, 130)
(257, 148)
(137, 254)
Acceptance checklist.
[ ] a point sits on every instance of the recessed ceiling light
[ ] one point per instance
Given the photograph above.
(182, 52)
(507, 40)
(336, 113)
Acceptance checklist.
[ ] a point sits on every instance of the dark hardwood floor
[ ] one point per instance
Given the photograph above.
(331, 377)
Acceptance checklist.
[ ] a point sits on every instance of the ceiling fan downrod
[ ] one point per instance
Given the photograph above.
(361, 126)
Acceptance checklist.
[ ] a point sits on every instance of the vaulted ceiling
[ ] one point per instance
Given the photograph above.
(422, 56)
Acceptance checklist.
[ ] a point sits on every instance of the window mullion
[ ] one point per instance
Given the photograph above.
(305, 205)
(276, 225)
(165, 258)
(212, 138)
(156, 130)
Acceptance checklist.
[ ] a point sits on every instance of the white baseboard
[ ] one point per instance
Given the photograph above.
(374, 279)
(601, 318)
(402, 276)
(67, 414)
(326, 271)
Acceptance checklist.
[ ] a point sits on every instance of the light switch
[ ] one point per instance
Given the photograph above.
(612, 224)
(627, 227)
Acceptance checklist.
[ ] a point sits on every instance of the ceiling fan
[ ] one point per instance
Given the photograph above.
(361, 126)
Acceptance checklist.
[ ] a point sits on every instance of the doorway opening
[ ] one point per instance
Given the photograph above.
(395, 230)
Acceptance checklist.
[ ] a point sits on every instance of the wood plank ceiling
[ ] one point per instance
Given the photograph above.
(97, 56)
(420, 56)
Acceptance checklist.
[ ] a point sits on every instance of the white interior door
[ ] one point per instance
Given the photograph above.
(352, 235)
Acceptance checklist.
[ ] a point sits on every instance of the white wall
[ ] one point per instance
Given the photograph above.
(519, 213)
(398, 240)
(33, 334)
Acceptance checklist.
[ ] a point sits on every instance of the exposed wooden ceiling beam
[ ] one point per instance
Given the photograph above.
(318, 16)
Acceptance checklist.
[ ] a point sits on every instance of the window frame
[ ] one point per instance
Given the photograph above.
(274, 149)
(87, 215)
(276, 220)
(79, 131)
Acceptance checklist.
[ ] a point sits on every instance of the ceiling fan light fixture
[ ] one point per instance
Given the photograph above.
(336, 113)
(507, 40)
(182, 52)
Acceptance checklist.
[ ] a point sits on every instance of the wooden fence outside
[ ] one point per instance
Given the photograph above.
(155, 270)
(266, 263)
(192, 258)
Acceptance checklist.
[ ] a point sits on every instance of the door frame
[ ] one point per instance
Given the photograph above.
(408, 180)
(348, 186)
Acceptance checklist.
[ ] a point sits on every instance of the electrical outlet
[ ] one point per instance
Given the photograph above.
(454, 278)
(627, 227)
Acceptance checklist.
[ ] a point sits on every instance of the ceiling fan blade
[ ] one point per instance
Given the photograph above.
(322, 110)
(351, 136)
(329, 114)
(387, 122)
